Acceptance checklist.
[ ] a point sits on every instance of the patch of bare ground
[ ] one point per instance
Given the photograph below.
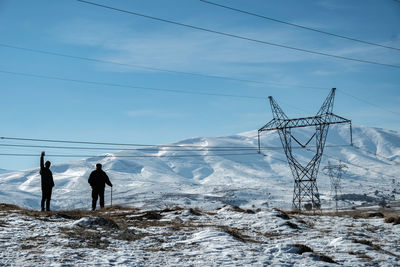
(129, 235)
(32, 242)
(3, 223)
(356, 214)
(275, 235)
(301, 248)
(82, 238)
(281, 214)
(8, 207)
(373, 246)
(237, 234)
(172, 209)
(361, 255)
(324, 258)
(367, 243)
(233, 231)
(239, 209)
(394, 220)
(292, 225)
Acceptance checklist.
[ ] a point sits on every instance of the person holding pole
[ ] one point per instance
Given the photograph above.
(98, 180)
(47, 182)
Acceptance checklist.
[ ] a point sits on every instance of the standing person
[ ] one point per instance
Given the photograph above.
(46, 181)
(98, 180)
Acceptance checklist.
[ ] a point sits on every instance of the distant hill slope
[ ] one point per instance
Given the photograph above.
(216, 176)
(4, 171)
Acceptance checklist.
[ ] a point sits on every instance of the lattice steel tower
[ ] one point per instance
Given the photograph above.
(305, 177)
(335, 173)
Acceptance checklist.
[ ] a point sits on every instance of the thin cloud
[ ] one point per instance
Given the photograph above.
(200, 52)
(153, 114)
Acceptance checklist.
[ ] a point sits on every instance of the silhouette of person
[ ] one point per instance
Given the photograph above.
(46, 181)
(98, 180)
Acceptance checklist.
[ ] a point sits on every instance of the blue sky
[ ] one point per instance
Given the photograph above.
(53, 109)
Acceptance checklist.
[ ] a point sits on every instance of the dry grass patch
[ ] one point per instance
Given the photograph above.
(237, 234)
(8, 207)
(356, 214)
(292, 225)
(394, 220)
(283, 215)
(367, 243)
(301, 248)
(84, 238)
(324, 258)
(361, 255)
(130, 235)
(3, 224)
(171, 209)
(239, 209)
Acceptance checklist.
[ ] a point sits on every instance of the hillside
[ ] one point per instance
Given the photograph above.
(213, 176)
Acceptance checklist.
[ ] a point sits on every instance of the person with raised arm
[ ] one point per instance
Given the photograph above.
(46, 181)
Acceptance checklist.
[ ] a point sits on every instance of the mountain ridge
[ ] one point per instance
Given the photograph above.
(210, 178)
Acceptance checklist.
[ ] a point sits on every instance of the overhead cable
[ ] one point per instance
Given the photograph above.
(162, 149)
(377, 155)
(300, 26)
(130, 86)
(182, 147)
(156, 69)
(156, 149)
(164, 70)
(129, 156)
(369, 103)
(242, 37)
(108, 143)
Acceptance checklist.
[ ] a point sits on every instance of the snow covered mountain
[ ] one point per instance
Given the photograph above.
(4, 171)
(215, 175)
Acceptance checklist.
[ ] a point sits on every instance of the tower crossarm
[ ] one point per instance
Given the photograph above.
(327, 119)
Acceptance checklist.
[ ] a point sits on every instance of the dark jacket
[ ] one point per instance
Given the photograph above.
(46, 175)
(99, 179)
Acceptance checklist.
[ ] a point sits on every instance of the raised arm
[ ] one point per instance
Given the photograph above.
(42, 161)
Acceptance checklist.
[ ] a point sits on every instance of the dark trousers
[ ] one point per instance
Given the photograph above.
(46, 197)
(96, 193)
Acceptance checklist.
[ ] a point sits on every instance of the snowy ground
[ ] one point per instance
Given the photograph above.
(229, 236)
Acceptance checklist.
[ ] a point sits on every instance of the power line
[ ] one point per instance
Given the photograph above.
(181, 147)
(299, 26)
(128, 86)
(369, 103)
(154, 68)
(127, 156)
(374, 154)
(173, 90)
(109, 143)
(164, 70)
(241, 37)
(133, 149)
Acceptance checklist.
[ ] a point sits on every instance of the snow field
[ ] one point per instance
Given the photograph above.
(225, 237)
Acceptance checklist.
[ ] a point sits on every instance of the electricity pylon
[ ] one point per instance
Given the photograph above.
(335, 173)
(305, 177)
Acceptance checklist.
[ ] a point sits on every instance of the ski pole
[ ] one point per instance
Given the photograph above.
(111, 196)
